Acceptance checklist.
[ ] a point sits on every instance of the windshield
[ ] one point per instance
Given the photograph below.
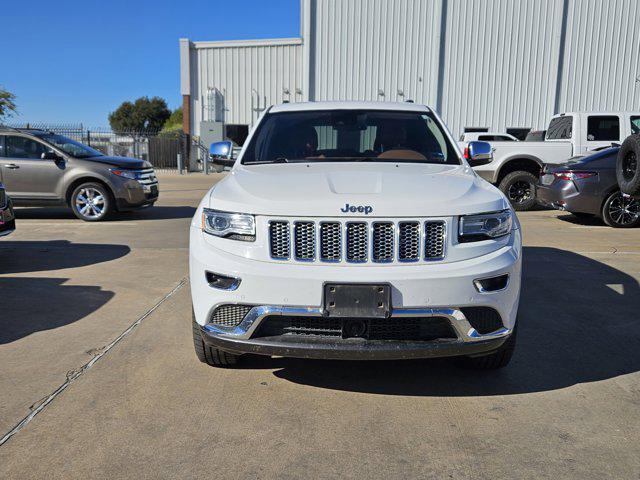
(70, 147)
(350, 135)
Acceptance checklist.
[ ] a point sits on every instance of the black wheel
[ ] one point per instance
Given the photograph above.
(621, 211)
(209, 355)
(520, 189)
(495, 360)
(627, 168)
(91, 202)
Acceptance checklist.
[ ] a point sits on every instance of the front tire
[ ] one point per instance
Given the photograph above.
(520, 188)
(209, 355)
(621, 211)
(498, 359)
(91, 202)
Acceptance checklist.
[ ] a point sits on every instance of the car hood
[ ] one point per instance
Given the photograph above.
(123, 162)
(325, 190)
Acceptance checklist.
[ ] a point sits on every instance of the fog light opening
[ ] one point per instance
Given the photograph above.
(492, 284)
(222, 282)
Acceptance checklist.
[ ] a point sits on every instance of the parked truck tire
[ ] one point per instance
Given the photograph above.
(209, 355)
(520, 188)
(627, 168)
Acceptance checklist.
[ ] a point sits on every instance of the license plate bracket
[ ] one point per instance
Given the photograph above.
(357, 300)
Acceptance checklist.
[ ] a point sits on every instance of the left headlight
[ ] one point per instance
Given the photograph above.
(238, 226)
(130, 174)
(485, 226)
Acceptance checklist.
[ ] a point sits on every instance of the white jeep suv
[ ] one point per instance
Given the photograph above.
(354, 230)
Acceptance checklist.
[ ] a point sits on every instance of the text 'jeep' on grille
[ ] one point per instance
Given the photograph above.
(355, 230)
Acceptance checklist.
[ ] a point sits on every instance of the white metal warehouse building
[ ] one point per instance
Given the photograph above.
(494, 64)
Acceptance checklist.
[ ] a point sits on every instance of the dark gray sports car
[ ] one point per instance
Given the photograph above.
(587, 186)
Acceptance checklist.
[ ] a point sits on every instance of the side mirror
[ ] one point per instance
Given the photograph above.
(478, 153)
(221, 151)
(50, 155)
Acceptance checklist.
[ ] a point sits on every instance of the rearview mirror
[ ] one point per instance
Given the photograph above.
(478, 153)
(221, 150)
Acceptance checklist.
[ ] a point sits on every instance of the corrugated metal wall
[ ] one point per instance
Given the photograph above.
(249, 78)
(375, 49)
(500, 63)
(481, 63)
(602, 56)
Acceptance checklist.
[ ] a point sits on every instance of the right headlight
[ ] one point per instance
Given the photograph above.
(237, 226)
(485, 226)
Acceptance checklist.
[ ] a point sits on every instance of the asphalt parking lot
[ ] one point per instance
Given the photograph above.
(566, 407)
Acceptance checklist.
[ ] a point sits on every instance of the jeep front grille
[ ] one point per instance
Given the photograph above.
(279, 240)
(357, 241)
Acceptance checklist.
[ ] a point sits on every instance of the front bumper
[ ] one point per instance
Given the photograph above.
(239, 339)
(433, 290)
(133, 194)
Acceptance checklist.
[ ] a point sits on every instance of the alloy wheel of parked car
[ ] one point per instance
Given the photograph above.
(520, 189)
(91, 202)
(621, 211)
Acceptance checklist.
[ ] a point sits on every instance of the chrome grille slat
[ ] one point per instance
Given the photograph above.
(383, 242)
(434, 240)
(357, 242)
(330, 241)
(304, 234)
(279, 240)
(409, 241)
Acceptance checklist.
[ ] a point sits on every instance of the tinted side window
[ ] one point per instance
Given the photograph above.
(487, 138)
(560, 128)
(22, 147)
(1, 145)
(603, 128)
(635, 124)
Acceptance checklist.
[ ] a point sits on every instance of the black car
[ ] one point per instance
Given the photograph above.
(7, 218)
(587, 186)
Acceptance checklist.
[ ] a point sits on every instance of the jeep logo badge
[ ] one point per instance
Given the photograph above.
(366, 209)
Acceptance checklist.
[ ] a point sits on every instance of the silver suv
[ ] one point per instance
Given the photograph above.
(40, 168)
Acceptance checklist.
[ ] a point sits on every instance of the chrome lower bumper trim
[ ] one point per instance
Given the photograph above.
(465, 332)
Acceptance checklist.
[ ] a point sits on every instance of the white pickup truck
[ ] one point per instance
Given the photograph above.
(516, 165)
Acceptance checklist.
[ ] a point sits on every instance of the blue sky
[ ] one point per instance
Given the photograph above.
(76, 61)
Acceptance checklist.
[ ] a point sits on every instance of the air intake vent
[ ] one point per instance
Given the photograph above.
(330, 242)
(409, 241)
(357, 242)
(279, 240)
(229, 315)
(383, 242)
(305, 240)
(434, 240)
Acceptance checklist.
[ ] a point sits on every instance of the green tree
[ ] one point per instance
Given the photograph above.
(7, 104)
(173, 125)
(144, 114)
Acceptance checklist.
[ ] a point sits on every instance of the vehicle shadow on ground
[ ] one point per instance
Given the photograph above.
(33, 304)
(578, 323)
(150, 213)
(29, 305)
(583, 221)
(38, 256)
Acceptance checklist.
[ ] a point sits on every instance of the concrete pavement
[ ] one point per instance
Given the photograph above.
(567, 406)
